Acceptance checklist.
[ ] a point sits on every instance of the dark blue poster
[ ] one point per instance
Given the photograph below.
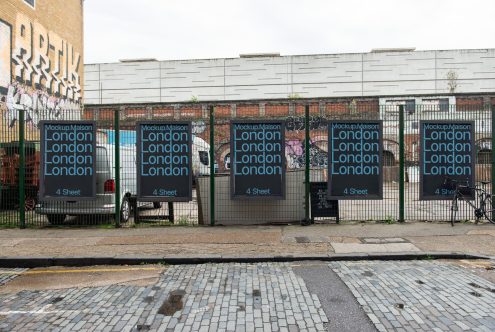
(355, 160)
(447, 152)
(164, 161)
(257, 149)
(68, 160)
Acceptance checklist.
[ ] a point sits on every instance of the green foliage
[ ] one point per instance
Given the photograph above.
(389, 220)
(294, 96)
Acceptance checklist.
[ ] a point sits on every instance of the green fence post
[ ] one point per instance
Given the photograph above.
(307, 166)
(22, 164)
(117, 166)
(401, 163)
(493, 154)
(212, 166)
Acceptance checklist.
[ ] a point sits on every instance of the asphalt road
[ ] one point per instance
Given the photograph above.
(340, 306)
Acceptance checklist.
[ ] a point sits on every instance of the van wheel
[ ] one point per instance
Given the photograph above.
(56, 219)
(125, 210)
(157, 205)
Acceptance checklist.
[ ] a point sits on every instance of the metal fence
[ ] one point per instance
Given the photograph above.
(306, 139)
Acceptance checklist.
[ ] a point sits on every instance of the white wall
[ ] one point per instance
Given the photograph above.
(308, 76)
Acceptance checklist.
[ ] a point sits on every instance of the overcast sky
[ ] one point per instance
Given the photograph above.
(195, 29)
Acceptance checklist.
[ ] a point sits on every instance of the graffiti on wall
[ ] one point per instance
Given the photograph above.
(43, 59)
(295, 154)
(39, 73)
(296, 123)
(38, 105)
(5, 49)
(198, 127)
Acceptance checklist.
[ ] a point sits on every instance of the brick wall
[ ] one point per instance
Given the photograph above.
(469, 103)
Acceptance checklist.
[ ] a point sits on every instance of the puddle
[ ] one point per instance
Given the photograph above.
(173, 303)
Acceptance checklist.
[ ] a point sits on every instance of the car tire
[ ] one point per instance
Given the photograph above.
(157, 205)
(125, 210)
(56, 219)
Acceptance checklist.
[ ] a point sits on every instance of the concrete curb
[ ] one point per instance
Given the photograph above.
(32, 262)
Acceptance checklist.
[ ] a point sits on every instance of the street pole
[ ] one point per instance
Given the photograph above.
(401, 163)
(307, 165)
(117, 167)
(212, 166)
(22, 174)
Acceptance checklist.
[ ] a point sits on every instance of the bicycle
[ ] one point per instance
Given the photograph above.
(464, 192)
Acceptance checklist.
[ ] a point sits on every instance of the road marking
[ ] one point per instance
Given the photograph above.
(44, 311)
(81, 271)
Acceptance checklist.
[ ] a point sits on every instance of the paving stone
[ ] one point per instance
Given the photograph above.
(442, 300)
(218, 297)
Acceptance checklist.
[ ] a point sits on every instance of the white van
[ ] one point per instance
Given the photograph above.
(104, 204)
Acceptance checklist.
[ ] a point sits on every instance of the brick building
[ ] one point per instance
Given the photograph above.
(41, 61)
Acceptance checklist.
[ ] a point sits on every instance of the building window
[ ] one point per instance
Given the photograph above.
(436, 105)
(32, 3)
(485, 156)
(410, 106)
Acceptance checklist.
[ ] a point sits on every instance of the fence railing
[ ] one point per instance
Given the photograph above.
(306, 148)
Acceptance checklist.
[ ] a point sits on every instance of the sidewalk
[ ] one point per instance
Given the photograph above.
(249, 241)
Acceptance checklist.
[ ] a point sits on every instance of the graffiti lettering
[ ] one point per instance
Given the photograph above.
(5, 47)
(38, 106)
(296, 123)
(198, 127)
(34, 48)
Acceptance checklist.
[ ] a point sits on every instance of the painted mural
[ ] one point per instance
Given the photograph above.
(39, 73)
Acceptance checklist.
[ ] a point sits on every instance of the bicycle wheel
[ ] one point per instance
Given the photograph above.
(453, 210)
(488, 209)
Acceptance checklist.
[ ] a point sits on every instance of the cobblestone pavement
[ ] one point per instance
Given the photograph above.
(209, 297)
(8, 274)
(420, 295)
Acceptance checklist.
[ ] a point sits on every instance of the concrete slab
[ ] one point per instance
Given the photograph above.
(345, 248)
(477, 244)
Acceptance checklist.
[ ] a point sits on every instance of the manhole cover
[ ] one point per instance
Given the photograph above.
(302, 239)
